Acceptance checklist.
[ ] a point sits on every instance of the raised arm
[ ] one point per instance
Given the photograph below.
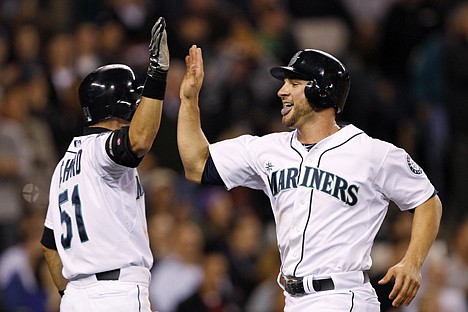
(192, 143)
(147, 119)
(407, 273)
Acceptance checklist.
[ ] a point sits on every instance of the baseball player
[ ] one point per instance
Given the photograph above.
(95, 237)
(329, 186)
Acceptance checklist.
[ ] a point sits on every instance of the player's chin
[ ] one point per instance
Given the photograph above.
(287, 121)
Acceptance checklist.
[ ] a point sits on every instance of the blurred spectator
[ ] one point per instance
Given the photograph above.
(30, 98)
(10, 72)
(369, 12)
(429, 82)
(456, 63)
(60, 51)
(112, 38)
(22, 285)
(239, 95)
(267, 295)
(437, 295)
(217, 217)
(160, 230)
(27, 47)
(204, 22)
(64, 119)
(271, 20)
(160, 189)
(178, 275)
(404, 27)
(87, 56)
(135, 16)
(16, 162)
(29, 11)
(457, 266)
(214, 293)
(244, 246)
(322, 24)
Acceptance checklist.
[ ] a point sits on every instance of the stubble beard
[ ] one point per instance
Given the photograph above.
(299, 111)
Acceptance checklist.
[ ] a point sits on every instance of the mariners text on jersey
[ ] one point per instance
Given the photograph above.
(71, 167)
(317, 179)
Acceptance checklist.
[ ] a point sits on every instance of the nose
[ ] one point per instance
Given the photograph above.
(283, 91)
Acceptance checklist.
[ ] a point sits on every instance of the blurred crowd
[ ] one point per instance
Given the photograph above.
(216, 250)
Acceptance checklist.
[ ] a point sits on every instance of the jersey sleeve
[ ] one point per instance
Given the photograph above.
(98, 156)
(48, 223)
(235, 163)
(402, 181)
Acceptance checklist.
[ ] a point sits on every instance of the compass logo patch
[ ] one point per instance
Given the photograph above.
(413, 166)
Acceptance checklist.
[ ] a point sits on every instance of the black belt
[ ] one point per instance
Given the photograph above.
(112, 275)
(295, 285)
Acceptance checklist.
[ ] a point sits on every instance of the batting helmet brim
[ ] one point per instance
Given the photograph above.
(280, 72)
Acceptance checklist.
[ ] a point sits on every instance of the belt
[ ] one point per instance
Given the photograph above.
(295, 285)
(133, 274)
(112, 275)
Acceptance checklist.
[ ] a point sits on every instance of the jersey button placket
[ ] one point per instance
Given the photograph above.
(297, 222)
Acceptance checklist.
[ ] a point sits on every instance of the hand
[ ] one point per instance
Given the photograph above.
(193, 78)
(159, 51)
(407, 283)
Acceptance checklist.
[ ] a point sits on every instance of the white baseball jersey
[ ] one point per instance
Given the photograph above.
(329, 202)
(97, 211)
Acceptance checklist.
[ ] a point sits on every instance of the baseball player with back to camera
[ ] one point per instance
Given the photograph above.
(329, 186)
(95, 237)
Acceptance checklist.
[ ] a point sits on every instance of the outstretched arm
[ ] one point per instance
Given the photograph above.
(407, 273)
(146, 121)
(192, 143)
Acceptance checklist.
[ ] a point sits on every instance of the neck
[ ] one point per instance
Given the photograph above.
(314, 132)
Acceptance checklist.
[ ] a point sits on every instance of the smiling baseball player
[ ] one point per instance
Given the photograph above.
(329, 186)
(95, 238)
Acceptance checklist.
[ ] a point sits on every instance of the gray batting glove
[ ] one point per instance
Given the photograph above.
(159, 51)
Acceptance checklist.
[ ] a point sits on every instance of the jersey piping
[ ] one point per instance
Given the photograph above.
(311, 195)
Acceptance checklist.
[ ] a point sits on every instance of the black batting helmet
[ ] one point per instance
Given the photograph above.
(329, 80)
(109, 91)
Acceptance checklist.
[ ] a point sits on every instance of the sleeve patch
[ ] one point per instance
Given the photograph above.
(413, 166)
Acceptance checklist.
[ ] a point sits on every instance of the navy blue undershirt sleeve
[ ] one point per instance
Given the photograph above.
(47, 239)
(436, 192)
(211, 174)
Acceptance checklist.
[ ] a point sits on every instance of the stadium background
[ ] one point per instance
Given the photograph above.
(409, 68)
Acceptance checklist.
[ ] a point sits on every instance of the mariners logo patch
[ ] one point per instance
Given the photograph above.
(413, 166)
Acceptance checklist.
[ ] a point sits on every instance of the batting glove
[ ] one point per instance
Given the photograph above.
(159, 51)
(155, 84)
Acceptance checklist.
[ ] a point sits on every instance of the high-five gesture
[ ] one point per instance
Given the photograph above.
(192, 143)
(193, 78)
